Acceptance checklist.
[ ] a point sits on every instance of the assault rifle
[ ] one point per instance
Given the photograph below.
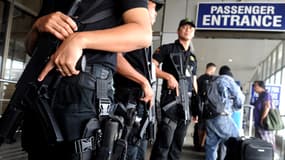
(46, 46)
(149, 123)
(182, 97)
(13, 115)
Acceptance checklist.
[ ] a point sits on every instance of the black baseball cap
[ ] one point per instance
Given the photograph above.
(186, 21)
(159, 4)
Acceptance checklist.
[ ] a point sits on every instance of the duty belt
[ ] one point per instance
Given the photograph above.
(98, 71)
(129, 93)
(84, 145)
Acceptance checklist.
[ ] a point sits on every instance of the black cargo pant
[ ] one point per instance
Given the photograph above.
(74, 105)
(171, 130)
(169, 140)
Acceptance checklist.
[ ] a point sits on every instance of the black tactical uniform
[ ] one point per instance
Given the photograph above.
(75, 99)
(172, 129)
(129, 93)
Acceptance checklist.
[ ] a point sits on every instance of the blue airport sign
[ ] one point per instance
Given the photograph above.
(241, 16)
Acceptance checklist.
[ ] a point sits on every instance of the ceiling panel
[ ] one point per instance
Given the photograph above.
(246, 54)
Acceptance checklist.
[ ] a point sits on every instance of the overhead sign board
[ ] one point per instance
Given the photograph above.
(241, 16)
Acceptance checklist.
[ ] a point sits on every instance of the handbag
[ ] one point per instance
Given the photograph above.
(273, 120)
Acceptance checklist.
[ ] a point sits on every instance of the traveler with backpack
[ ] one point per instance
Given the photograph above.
(224, 96)
(200, 128)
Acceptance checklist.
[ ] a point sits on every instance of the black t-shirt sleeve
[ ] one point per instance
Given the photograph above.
(195, 69)
(129, 4)
(49, 6)
(45, 8)
(159, 53)
(193, 62)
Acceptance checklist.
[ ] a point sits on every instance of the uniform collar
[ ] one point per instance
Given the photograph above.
(181, 46)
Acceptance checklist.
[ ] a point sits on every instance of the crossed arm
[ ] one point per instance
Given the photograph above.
(135, 33)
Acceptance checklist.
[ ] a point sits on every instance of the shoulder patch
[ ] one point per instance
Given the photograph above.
(192, 58)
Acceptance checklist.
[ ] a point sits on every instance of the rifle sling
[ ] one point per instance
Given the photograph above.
(74, 8)
(143, 128)
(88, 13)
(98, 16)
(169, 105)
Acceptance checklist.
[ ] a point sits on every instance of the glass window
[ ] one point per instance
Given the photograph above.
(279, 56)
(272, 80)
(264, 64)
(267, 81)
(17, 55)
(3, 26)
(1, 14)
(263, 69)
(268, 66)
(259, 72)
(273, 65)
(283, 76)
(282, 49)
(32, 5)
(278, 78)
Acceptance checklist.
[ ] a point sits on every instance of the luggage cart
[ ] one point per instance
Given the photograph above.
(248, 120)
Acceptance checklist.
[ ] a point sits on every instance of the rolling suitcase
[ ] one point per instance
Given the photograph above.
(248, 148)
(256, 149)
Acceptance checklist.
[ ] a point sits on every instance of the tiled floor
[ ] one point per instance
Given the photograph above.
(14, 151)
(188, 151)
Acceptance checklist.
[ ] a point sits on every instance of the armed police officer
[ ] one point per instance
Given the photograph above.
(86, 94)
(133, 88)
(179, 77)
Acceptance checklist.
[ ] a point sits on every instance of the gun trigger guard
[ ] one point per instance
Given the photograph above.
(42, 91)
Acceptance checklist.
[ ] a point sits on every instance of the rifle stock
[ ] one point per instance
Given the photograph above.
(184, 98)
(9, 123)
(151, 109)
(13, 115)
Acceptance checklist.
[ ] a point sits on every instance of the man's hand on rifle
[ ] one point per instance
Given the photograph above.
(65, 57)
(57, 23)
(195, 119)
(171, 82)
(148, 93)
